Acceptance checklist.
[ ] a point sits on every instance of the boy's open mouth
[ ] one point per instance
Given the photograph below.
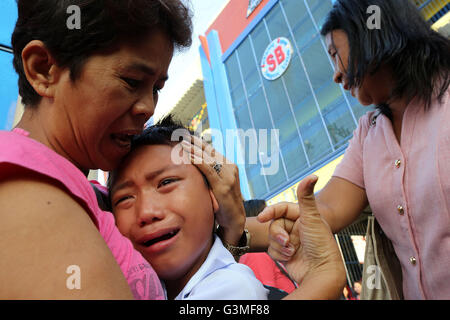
(161, 238)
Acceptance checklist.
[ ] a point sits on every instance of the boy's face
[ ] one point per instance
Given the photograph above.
(166, 210)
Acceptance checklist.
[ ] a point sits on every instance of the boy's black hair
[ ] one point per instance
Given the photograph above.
(166, 132)
(254, 207)
(104, 24)
(418, 55)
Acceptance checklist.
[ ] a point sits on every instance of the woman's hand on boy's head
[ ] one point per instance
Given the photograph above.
(223, 179)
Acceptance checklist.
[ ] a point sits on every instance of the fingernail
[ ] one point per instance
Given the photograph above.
(289, 251)
(282, 239)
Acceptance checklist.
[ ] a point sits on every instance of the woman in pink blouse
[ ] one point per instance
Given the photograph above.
(398, 160)
(87, 91)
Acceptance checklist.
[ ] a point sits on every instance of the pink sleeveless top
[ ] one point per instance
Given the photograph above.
(17, 149)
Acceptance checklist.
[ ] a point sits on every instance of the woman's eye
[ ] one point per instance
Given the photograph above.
(132, 83)
(156, 90)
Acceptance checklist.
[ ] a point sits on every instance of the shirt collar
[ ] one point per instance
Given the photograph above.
(218, 258)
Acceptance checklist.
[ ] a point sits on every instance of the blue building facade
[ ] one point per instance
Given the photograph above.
(8, 77)
(315, 116)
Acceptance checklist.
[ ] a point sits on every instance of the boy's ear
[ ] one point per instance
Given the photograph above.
(214, 201)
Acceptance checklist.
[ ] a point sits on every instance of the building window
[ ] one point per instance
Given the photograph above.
(315, 116)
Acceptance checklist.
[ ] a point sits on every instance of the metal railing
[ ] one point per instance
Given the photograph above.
(6, 48)
(433, 10)
(354, 268)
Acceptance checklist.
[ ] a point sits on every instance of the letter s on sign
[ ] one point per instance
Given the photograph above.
(271, 61)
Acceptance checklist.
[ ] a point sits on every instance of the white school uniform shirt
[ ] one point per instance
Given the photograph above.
(221, 278)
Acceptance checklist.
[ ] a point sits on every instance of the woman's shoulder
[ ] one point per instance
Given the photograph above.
(33, 161)
(19, 149)
(368, 119)
(365, 123)
(43, 227)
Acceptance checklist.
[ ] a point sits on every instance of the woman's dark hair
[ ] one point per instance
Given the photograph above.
(104, 23)
(254, 207)
(418, 56)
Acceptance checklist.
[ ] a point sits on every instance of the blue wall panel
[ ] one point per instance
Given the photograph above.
(8, 76)
(223, 104)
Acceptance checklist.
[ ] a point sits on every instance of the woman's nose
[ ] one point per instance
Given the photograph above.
(144, 107)
(337, 76)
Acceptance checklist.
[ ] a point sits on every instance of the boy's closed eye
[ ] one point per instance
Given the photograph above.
(121, 199)
(167, 181)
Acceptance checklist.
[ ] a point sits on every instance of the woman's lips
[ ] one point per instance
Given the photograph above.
(122, 140)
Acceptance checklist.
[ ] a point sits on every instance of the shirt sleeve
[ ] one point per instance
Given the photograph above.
(351, 166)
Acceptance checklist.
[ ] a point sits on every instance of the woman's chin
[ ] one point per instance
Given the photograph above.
(365, 102)
(107, 161)
(109, 164)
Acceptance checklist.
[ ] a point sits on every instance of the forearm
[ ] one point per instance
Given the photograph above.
(328, 215)
(340, 203)
(259, 234)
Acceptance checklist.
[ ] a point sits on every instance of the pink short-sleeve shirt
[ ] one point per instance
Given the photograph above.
(27, 154)
(408, 188)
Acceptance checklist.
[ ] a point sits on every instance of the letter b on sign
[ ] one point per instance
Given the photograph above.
(73, 281)
(279, 53)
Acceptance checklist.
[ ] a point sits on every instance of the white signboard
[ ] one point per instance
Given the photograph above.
(276, 58)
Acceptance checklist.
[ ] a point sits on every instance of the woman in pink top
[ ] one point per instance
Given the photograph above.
(398, 160)
(89, 76)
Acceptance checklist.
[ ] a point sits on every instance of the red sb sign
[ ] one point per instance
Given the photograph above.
(280, 57)
(276, 58)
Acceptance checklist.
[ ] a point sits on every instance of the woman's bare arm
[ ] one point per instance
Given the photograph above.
(43, 231)
(340, 203)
